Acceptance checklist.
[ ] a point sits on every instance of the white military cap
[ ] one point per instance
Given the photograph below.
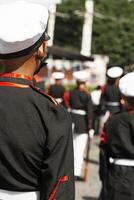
(81, 75)
(22, 28)
(126, 85)
(114, 72)
(58, 75)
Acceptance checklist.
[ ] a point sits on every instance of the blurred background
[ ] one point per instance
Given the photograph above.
(89, 34)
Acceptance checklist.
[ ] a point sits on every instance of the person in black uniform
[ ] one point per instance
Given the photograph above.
(81, 113)
(36, 148)
(111, 96)
(57, 89)
(119, 145)
(110, 103)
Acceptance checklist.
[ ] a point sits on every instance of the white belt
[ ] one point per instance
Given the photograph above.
(12, 195)
(79, 112)
(110, 103)
(59, 100)
(124, 162)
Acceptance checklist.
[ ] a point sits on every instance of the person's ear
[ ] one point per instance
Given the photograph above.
(123, 102)
(41, 52)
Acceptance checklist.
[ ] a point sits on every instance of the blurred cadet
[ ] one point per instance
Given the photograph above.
(57, 89)
(111, 96)
(119, 146)
(36, 147)
(81, 112)
(110, 103)
(95, 96)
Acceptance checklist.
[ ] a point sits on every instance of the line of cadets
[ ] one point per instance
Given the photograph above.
(89, 110)
(115, 122)
(79, 104)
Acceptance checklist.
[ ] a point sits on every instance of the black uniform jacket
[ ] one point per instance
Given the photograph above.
(120, 144)
(80, 100)
(120, 135)
(111, 94)
(57, 91)
(36, 151)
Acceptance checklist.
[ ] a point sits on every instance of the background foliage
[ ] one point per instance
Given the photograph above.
(113, 29)
(114, 34)
(68, 29)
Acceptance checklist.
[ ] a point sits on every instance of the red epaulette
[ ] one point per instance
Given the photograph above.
(44, 94)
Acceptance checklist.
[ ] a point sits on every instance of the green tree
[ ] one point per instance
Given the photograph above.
(113, 29)
(68, 29)
(113, 32)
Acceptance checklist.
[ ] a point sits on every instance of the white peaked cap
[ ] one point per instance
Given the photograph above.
(126, 85)
(47, 3)
(58, 75)
(115, 72)
(81, 75)
(22, 24)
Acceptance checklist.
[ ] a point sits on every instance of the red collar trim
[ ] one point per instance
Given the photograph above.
(9, 84)
(15, 75)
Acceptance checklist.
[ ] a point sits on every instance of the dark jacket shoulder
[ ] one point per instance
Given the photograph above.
(49, 97)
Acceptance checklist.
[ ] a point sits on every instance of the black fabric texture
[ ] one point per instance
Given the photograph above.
(36, 147)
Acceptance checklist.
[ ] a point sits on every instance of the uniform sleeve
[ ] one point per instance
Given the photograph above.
(103, 102)
(57, 174)
(103, 157)
(90, 112)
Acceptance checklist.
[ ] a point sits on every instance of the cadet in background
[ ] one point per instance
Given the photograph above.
(80, 107)
(111, 96)
(57, 89)
(119, 145)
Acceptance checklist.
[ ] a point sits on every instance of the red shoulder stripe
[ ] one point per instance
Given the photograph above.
(61, 180)
(10, 84)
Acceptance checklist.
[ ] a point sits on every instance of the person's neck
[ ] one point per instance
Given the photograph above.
(24, 71)
(21, 67)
